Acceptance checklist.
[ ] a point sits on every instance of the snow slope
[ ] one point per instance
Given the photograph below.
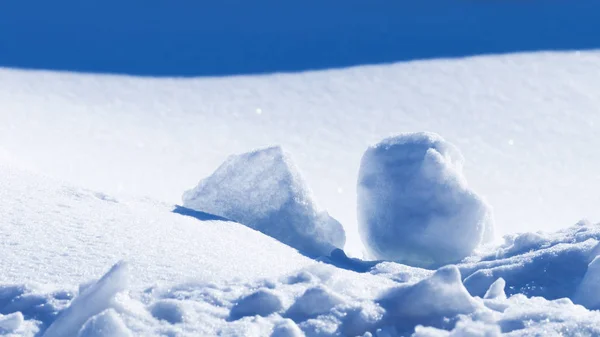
(526, 124)
(187, 277)
(56, 234)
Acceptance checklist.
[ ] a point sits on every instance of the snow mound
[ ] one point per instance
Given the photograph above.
(314, 302)
(414, 205)
(430, 300)
(264, 190)
(263, 302)
(11, 322)
(287, 328)
(496, 290)
(168, 310)
(553, 268)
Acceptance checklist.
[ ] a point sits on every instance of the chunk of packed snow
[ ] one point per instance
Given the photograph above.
(262, 302)
(169, 310)
(315, 301)
(429, 301)
(11, 322)
(496, 290)
(264, 190)
(287, 328)
(588, 292)
(105, 324)
(92, 301)
(414, 205)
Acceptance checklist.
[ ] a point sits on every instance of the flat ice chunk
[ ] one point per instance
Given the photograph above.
(414, 205)
(264, 190)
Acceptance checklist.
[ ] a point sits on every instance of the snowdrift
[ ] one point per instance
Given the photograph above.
(529, 285)
(414, 205)
(321, 300)
(527, 125)
(264, 190)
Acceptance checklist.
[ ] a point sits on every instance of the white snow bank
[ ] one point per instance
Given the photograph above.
(414, 205)
(264, 190)
(60, 234)
(91, 302)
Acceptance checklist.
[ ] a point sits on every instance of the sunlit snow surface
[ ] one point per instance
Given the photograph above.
(183, 276)
(526, 124)
(85, 254)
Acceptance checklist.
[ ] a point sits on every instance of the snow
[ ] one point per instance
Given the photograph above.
(287, 328)
(105, 324)
(496, 290)
(428, 301)
(11, 322)
(414, 205)
(128, 136)
(74, 235)
(260, 287)
(526, 125)
(263, 302)
(264, 190)
(91, 302)
(588, 290)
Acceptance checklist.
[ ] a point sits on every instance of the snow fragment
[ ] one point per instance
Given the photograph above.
(287, 328)
(414, 205)
(168, 310)
(430, 300)
(588, 292)
(496, 290)
(264, 190)
(105, 324)
(11, 322)
(93, 300)
(315, 301)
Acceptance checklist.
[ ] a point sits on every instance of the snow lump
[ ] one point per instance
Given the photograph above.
(414, 205)
(264, 190)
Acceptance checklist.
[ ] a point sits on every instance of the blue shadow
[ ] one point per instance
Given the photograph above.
(202, 216)
(338, 258)
(229, 37)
